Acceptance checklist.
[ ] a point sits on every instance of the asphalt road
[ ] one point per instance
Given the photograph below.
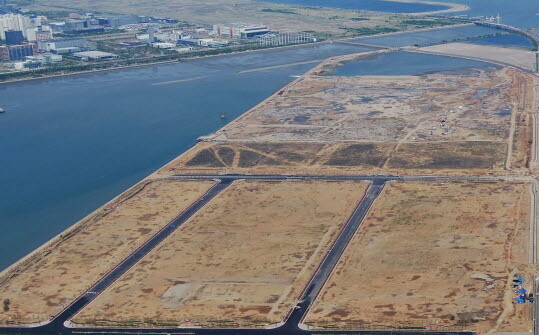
(292, 323)
(56, 326)
(332, 258)
(338, 177)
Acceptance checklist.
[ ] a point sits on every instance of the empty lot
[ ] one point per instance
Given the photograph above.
(241, 261)
(68, 265)
(433, 254)
(468, 121)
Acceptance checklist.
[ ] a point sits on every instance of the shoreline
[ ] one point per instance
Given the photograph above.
(186, 59)
(453, 7)
(127, 67)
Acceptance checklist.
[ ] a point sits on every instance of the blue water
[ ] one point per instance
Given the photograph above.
(505, 40)
(371, 5)
(519, 13)
(403, 63)
(428, 37)
(69, 145)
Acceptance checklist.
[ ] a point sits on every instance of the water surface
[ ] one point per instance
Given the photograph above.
(71, 144)
(429, 37)
(403, 64)
(505, 40)
(519, 13)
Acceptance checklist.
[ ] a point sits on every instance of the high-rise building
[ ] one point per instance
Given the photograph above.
(42, 33)
(13, 52)
(14, 37)
(151, 35)
(12, 21)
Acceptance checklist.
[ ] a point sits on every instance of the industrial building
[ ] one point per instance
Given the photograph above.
(94, 55)
(44, 58)
(65, 46)
(41, 33)
(14, 52)
(122, 20)
(239, 30)
(14, 37)
(163, 45)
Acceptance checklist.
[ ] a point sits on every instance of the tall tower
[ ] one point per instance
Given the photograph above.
(151, 34)
(498, 18)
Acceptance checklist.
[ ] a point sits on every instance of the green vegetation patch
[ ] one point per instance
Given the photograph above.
(449, 155)
(370, 31)
(227, 155)
(364, 154)
(427, 23)
(250, 159)
(359, 19)
(279, 11)
(206, 158)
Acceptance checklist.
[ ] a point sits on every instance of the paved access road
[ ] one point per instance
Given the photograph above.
(56, 326)
(332, 258)
(291, 326)
(383, 178)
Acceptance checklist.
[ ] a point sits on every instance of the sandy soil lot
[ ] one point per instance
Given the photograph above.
(434, 254)
(241, 261)
(518, 57)
(469, 121)
(68, 265)
(375, 109)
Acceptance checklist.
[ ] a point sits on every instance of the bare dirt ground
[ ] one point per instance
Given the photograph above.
(514, 56)
(467, 121)
(241, 261)
(41, 285)
(440, 256)
(327, 22)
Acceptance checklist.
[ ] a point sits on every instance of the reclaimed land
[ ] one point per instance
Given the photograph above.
(42, 284)
(436, 256)
(471, 121)
(241, 261)
(244, 258)
(325, 22)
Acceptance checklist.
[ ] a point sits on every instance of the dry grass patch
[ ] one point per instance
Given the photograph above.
(434, 254)
(71, 264)
(241, 261)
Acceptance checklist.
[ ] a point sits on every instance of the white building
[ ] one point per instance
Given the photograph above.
(45, 58)
(205, 41)
(42, 33)
(94, 55)
(163, 45)
(239, 30)
(14, 22)
(39, 20)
